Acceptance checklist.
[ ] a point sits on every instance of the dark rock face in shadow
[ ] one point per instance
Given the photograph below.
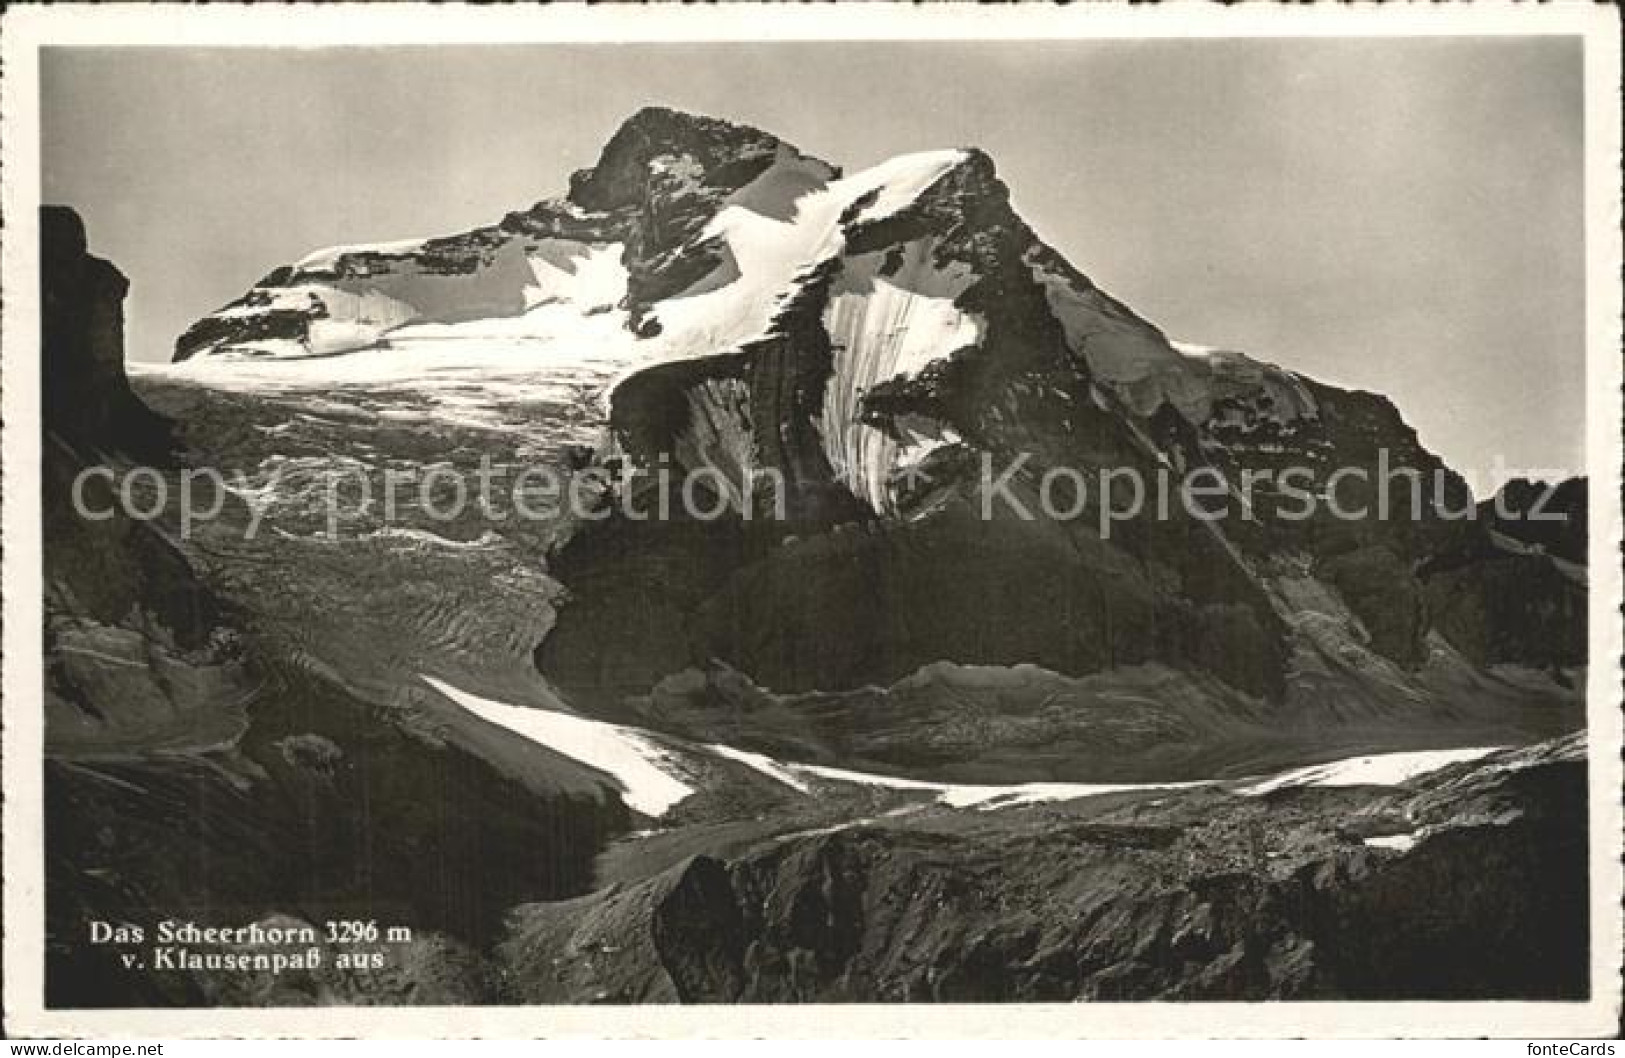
(1512, 587)
(322, 812)
(86, 396)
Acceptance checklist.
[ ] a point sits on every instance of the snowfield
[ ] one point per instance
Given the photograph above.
(1381, 769)
(764, 764)
(545, 319)
(776, 228)
(654, 779)
(649, 780)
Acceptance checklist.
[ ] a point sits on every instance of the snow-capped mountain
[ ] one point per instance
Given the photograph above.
(713, 296)
(463, 724)
(696, 239)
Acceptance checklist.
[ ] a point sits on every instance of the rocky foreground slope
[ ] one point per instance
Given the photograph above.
(445, 722)
(1302, 893)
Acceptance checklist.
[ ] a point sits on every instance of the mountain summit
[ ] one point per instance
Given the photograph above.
(885, 343)
(939, 700)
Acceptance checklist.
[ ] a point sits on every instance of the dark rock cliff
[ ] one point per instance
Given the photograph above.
(86, 397)
(837, 596)
(1511, 587)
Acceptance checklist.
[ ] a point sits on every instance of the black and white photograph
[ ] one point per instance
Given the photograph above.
(546, 521)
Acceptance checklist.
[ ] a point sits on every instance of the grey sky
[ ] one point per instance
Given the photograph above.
(1396, 215)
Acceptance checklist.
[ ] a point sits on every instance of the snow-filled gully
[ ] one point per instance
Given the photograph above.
(653, 779)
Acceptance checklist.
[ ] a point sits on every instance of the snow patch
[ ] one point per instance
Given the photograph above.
(590, 277)
(423, 536)
(918, 443)
(1122, 350)
(764, 764)
(985, 797)
(543, 312)
(355, 312)
(646, 773)
(1382, 769)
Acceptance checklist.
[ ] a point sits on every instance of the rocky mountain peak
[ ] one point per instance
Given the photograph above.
(710, 294)
(659, 143)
